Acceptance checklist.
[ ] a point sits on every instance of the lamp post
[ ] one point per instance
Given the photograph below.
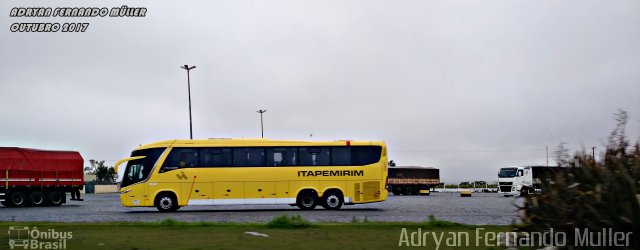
(261, 123)
(186, 67)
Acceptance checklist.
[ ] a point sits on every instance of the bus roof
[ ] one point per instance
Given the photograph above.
(231, 142)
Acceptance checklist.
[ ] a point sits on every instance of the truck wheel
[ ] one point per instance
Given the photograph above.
(416, 190)
(408, 190)
(307, 200)
(166, 202)
(332, 200)
(397, 190)
(55, 198)
(524, 192)
(36, 198)
(17, 199)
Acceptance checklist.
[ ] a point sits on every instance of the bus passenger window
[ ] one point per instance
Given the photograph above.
(340, 156)
(315, 156)
(248, 157)
(181, 158)
(215, 157)
(365, 155)
(281, 156)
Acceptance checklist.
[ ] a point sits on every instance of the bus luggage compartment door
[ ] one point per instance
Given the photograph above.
(260, 192)
(228, 193)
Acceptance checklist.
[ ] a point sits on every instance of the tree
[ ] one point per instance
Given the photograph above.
(596, 195)
(561, 155)
(392, 164)
(104, 174)
(617, 143)
(88, 170)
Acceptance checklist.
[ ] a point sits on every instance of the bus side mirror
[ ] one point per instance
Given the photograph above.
(117, 165)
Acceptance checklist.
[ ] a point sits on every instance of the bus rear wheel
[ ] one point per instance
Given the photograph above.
(332, 200)
(166, 202)
(307, 200)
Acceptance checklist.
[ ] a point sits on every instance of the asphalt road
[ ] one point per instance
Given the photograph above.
(482, 208)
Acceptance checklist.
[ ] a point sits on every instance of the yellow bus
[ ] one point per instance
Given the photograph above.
(175, 173)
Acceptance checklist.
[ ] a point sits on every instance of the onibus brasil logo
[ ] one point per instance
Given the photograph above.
(31, 238)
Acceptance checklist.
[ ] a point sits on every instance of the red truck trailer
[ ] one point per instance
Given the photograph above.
(33, 177)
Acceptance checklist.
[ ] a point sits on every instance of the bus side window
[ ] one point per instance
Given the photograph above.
(364, 155)
(315, 156)
(215, 157)
(281, 156)
(340, 156)
(248, 157)
(181, 158)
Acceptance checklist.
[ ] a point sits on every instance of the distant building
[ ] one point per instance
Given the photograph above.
(89, 177)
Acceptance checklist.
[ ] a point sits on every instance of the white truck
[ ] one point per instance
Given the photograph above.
(524, 180)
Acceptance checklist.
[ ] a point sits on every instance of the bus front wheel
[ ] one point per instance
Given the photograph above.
(166, 202)
(307, 200)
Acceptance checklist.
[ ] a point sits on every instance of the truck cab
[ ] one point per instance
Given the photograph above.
(524, 180)
(515, 180)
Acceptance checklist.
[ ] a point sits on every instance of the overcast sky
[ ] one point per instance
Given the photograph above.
(463, 86)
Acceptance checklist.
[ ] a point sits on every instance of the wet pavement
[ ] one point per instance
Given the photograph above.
(480, 209)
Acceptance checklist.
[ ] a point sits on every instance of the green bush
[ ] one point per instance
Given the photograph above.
(293, 221)
(433, 222)
(168, 222)
(592, 195)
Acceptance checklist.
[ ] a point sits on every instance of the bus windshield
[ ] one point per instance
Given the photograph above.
(139, 170)
(507, 172)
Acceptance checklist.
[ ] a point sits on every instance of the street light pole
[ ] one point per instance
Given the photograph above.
(186, 67)
(547, 149)
(261, 123)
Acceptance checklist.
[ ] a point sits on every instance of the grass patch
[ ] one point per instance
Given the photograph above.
(168, 222)
(172, 234)
(433, 222)
(284, 221)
